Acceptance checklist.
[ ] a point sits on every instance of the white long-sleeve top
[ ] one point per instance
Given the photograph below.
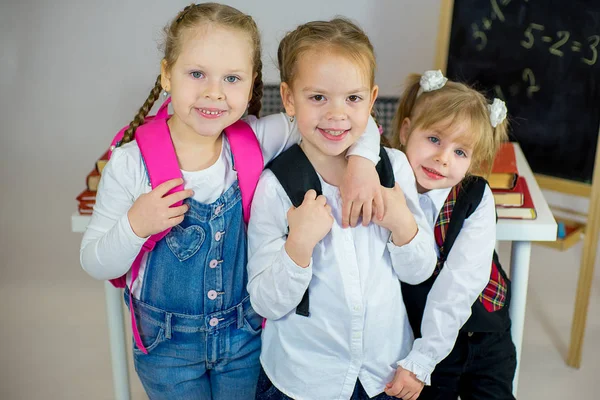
(109, 245)
(463, 277)
(358, 326)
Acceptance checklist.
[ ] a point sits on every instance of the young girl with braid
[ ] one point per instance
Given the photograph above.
(200, 336)
(450, 133)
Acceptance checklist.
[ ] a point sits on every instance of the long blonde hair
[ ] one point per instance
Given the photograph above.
(189, 18)
(454, 102)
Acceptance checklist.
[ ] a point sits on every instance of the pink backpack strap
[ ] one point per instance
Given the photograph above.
(156, 147)
(247, 159)
(162, 113)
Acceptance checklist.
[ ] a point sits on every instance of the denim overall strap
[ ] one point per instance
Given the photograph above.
(200, 266)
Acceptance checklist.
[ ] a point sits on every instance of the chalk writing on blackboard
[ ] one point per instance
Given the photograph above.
(540, 57)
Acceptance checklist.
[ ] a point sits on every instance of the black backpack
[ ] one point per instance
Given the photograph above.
(297, 176)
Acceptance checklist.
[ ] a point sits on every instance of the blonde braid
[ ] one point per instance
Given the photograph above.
(143, 111)
(257, 92)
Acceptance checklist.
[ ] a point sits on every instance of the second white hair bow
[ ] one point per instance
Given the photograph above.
(497, 112)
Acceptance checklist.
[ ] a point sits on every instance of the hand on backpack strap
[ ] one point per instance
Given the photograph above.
(361, 192)
(308, 225)
(397, 218)
(152, 213)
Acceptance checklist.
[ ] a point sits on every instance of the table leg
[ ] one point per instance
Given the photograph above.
(519, 275)
(118, 349)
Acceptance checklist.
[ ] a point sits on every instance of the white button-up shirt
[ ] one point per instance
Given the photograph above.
(109, 245)
(465, 274)
(358, 327)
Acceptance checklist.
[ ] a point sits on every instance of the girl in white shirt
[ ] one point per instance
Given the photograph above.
(357, 328)
(199, 337)
(450, 132)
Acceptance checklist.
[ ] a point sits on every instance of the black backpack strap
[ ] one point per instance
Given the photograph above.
(296, 175)
(385, 170)
(469, 197)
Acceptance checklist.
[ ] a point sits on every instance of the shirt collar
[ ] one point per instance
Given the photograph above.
(437, 197)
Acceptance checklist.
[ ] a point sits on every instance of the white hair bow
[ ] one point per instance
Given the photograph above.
(432, 80)
(497, 112)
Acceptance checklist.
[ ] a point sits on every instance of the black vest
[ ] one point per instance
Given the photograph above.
(297, 176)
(415, 296)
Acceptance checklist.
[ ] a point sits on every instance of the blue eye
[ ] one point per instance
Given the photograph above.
(460, 153)
(196, 74)
(318, 97)
(231, 79)
(433, 139)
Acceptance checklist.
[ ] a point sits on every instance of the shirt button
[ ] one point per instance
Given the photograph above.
(213, 322)
(213, 263)
(212, 294)
(356, 308)
(218, 209)
(218, 236)
(470, 334)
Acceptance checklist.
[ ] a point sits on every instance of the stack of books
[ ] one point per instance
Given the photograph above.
(87, 198)
(511, 193)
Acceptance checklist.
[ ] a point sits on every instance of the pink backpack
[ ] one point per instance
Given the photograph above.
(154, 140)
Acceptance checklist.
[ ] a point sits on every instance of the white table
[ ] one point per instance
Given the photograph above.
(116, 327)
(521, 233)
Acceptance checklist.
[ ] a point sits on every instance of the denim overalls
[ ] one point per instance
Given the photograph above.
(194, 313)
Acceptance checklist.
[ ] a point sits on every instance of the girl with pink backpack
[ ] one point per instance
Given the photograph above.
(170, 214)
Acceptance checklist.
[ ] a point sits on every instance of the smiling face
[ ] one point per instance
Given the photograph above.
(331, 97)
(439, 155)
(211, 80)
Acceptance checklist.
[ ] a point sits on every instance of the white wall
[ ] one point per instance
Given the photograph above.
(73, 72)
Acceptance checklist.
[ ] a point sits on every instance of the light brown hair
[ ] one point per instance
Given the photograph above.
(339, 34)
(454, 103)
(190, 18)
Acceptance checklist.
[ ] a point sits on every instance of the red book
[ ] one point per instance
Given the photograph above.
(504, 171)
(508, 198)
(86, 196)
(526, 211)
(86, 205)
(86, 212)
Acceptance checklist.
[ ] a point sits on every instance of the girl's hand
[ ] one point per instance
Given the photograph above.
(152, 212)
(405, 385)
(397, 218)
(308, 225)
(360, 191)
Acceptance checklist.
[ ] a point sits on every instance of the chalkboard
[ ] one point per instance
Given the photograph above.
(542, 57)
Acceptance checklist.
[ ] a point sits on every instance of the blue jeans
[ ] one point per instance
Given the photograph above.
(189, 359)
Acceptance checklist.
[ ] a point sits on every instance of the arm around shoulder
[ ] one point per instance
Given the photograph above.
(275, 134)
(415, 261)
